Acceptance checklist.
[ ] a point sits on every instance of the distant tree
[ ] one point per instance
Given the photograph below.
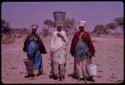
(45, 31)
(47, 24)
(106, 29)
(119, 21)
(99, 29)
(111, 25)
(69, 24)
(5, 26)
(3, 21)
(50, 23)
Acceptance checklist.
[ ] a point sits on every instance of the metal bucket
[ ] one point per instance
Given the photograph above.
(59, 17)
(28, 64)
(92, 69)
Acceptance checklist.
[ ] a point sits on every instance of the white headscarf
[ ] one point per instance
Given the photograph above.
(82, 23)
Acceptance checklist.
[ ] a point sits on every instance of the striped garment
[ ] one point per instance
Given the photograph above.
(81, 50)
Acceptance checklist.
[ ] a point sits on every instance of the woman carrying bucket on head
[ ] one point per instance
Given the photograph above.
(82, 50)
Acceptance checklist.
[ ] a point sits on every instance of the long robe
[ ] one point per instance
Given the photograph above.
(75, 42)
(58, 53)
(34, 50)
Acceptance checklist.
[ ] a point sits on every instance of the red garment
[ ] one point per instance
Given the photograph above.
(86, 38)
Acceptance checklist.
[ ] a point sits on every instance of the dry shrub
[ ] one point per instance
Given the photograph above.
(7, 39)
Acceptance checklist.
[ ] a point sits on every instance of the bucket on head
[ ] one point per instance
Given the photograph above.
(59, 17)
(92, 69)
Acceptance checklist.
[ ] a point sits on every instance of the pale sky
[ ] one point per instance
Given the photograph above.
(23, 14)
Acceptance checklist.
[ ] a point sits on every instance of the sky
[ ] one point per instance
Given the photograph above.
(23, 14)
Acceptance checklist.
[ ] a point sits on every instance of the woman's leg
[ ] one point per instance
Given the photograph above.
(40, 71)
(55, 69)
(74, 69)
(61, 71)
(78, 68)
(84, 71)
(51, 58)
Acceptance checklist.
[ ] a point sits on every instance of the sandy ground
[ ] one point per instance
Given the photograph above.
(109, 60)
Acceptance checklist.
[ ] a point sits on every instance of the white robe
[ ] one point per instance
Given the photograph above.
(58, 47)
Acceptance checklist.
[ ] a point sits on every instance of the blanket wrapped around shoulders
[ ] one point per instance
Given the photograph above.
(39, 42)
(86, 38)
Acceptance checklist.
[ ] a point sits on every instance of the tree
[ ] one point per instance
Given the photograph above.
(119, 21)
(69, 24)
(50, 23)
(99, 29)
(47, 24)
(3, 21)
(5, 26)
(111, 25)
(46, 31)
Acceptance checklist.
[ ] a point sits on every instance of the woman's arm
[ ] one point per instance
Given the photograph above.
(91, 46)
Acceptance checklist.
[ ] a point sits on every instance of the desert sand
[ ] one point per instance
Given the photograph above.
(109, 60)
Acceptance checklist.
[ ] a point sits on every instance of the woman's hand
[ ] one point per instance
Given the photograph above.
(59, 35)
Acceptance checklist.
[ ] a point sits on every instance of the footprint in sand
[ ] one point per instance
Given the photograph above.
(113, 74)
(11, 71)
(113, 77)
(3, 77)
(115, 62)
(116, 50)
(108, 49)
(21, 72)
(98, 64)
(14, 68)
(110, 69)
(99, 76)
(99, 71)
(49, 63)
(112, 64)
(111, 57)
(18, 56)
(71, 63)
(6, 74)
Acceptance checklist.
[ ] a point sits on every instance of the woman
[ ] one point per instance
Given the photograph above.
(82, 50)
(58, 53)
(34, 47)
